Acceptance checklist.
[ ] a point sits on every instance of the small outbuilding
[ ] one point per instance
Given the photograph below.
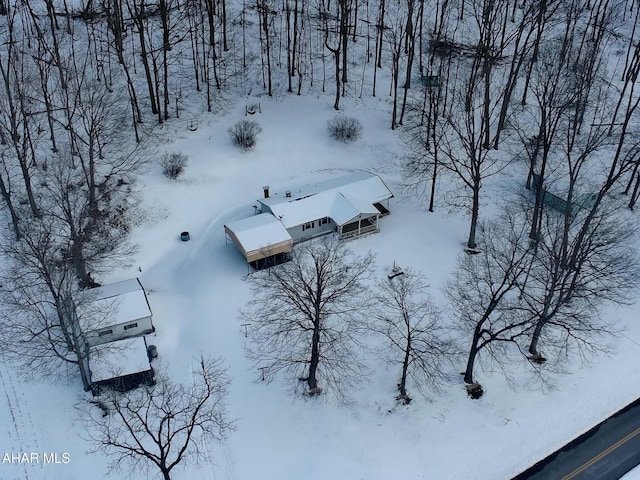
(121, 365)
(119, 310)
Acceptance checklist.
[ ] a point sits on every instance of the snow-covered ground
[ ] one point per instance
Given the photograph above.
(195, 289)
(632, 475)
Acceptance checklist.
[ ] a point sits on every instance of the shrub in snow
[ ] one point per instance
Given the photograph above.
(244, 133)
(345, 129)
(173, 164)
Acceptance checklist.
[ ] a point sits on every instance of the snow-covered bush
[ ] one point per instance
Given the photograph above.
(173, 164)
(244, 133)
(345, 129)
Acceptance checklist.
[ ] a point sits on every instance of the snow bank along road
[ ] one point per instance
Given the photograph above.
(607, 451)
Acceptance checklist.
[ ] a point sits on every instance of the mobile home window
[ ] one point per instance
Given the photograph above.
(323, 221)
(131, 325)
(104, 333)
(307, 226)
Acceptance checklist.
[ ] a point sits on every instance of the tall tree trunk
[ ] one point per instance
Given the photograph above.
(139, 20)
(312, 381)
(336, 58)
(634, 196)
(538, 185)
(26, 176)
(72, 332)
(535, 337)
(6, 196)
(225, 44)
(402, 386)
(471, 359)
(53, 21)
(264, 11)
(433, 177)
(345, 15)
(475, 212)
(395, 66)
(80, 263)
(377, 61)
(410, 42)
(166, 47)
(290, 68)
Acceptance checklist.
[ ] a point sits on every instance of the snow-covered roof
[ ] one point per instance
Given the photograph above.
(124, 357)
(120, 302)
(361, 184)
(259, 231)
(118, 288)
(347, 207)
(339, 207)
(259, 236)
(342, 198)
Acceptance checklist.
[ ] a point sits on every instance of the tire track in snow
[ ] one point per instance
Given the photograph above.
(228, 463)
(12, 414)
(21, 422)
(229, 471)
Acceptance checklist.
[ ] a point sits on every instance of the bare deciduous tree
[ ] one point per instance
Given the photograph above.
(463, 146)
(95, 237)
(305, 316)
(571, 277)
(41, 330)
(19, 124)
(335, 27)
(416, 338)
(266, 13)
(484, 293)
(164, 425)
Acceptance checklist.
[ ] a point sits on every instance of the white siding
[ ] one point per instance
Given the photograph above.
(128, 329)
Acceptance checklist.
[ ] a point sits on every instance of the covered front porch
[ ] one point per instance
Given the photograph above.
(359, 227)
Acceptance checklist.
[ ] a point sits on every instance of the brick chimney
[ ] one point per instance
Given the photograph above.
(266, 191)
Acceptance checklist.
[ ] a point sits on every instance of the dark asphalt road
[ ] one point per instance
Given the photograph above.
(606, 452)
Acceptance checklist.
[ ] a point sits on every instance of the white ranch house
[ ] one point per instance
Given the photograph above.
(350, 205)
(124, 311)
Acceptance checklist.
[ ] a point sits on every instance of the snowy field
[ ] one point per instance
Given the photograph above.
(196, 288)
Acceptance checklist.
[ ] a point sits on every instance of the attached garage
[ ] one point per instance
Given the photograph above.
(262, 239)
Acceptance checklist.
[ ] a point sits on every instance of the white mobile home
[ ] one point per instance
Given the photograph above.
(123, 311)
(350, 205)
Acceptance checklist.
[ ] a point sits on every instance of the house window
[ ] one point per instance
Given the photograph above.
(324, 221)
(307, 226)
(130, 326)
(104, 333)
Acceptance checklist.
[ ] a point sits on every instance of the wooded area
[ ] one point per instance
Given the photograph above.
(473, 85)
